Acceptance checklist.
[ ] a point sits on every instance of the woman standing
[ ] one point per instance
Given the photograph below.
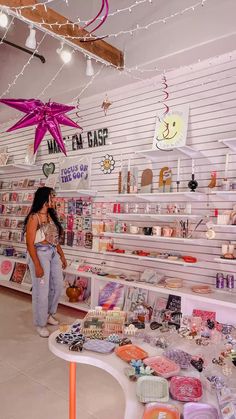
(46, 258)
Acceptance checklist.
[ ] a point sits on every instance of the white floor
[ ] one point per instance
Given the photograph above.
(34, 383)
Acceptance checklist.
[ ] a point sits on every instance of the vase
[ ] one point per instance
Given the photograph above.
(73, 293)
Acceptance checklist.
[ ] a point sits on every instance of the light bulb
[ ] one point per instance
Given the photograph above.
(31, 40)
(66, 56)
(3, 20)
(89, 67)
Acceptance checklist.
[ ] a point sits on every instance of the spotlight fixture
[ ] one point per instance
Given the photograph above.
(31, 40)
(3, 20)
(65, 54)
(89, 67)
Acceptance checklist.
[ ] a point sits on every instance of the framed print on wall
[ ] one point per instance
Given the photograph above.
(171, 129)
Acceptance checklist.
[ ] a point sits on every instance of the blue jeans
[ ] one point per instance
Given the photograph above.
(46, 291)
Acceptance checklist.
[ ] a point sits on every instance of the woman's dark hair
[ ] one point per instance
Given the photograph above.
(41, 197)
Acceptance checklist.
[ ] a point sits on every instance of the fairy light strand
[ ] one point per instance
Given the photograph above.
(50, 83)
(23, 68)
(131, 31)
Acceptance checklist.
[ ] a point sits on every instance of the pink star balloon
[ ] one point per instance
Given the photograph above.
(47, 117)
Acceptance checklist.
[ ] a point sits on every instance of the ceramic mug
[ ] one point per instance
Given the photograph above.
(134, 229)
(147, 231)
(167, 231)
(156, 230)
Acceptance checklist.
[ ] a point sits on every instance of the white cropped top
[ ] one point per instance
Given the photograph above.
(46, 231)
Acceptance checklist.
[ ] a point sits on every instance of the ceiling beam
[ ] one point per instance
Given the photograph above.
(99, 49)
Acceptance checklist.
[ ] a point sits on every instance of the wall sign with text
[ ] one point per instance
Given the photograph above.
(93, 138)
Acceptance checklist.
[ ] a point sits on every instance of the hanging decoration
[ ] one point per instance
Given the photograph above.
(47, 117)
(106, 105)
(105, 5)
(107, 164)
(48, 169)
(166, 95)
(171, 129)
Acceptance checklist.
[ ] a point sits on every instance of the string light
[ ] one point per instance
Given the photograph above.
(33, 6)
(163, 20)
(50, 83)
(23, 68)
(75, 99)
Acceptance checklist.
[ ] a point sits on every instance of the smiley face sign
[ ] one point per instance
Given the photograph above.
(171, 130)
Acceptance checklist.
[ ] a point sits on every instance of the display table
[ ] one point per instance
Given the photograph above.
(109, 363)
(115, 367)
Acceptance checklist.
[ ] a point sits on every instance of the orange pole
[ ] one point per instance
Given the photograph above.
(72, 406)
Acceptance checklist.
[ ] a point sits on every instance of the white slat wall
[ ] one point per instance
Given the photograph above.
(209, 88)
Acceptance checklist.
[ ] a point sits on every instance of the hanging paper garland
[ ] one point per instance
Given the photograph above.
(107, 164)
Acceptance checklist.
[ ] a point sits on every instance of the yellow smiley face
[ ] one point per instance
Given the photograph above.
(170, 128)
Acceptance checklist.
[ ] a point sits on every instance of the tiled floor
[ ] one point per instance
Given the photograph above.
(34, 383)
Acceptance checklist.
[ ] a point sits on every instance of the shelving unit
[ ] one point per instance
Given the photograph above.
(230, 142)
(18, 166)
(70, 193)
(155, 196)
(150, 217)
(229, 195)
(224, 226)
(153, 259)
(154, 155)
(144, 237)
(226, 261)
(223, 299)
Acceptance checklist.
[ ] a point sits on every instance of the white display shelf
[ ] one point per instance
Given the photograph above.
(150, 217)
(154, 155)
(229, 195)
(230, 227)
(229, 142)
(26, 290)
(168, 196)
(146, 237)
(14, 259)
(78, 306)
(18, 287)
(225, 299)
(71, 193)
(153, 259)
(226, 261)
(14, 166)
(222, 299)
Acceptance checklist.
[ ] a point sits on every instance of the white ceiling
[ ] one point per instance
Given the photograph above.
(205, 32)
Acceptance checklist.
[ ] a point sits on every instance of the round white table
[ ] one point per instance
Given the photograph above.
(107, 362)
(115, 367)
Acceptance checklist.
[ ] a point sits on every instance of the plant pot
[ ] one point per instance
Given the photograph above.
(73, 293)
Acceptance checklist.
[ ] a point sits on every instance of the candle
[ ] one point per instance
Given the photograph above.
(193, 166)
(226, 165)
(178, 170)
(121, 162)
(128, 165)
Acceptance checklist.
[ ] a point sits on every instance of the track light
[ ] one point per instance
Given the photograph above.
(3, 20)
(31, 40)
(65, 54)
(89, 67)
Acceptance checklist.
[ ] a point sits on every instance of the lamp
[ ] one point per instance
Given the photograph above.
(31, 40)
(3, 20)
(65, 54)
(89, 67)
